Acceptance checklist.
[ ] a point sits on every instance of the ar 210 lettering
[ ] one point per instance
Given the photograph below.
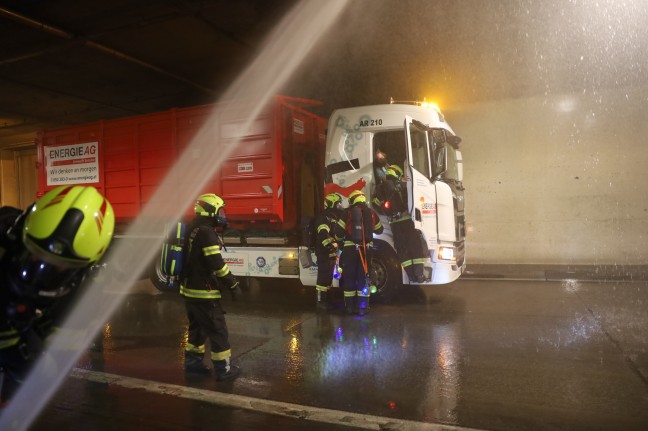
(367, 123)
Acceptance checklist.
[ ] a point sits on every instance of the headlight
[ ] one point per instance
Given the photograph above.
(446, 253)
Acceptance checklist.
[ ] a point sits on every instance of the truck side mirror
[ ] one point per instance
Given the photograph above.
(453, 140)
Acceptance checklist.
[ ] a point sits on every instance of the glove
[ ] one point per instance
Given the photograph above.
(232, 285)
(229, 280)
(235, 291)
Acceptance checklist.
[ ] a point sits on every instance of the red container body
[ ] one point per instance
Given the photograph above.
(262, 180)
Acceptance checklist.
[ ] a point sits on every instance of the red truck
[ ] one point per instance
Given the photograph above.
(269, 182)
(274, 179)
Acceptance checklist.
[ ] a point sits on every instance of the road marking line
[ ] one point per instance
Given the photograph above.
(279, 408)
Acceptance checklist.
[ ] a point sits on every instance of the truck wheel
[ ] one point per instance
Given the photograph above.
(162, 282)
(385, 271)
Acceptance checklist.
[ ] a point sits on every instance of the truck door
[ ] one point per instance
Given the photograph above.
(421, 192)
(448, 173)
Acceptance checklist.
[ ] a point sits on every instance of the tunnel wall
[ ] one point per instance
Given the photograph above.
(557, 179)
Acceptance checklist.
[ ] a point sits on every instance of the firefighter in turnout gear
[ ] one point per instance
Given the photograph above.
(392, 201)
(330, 226)
(45, 254)
(205, 274)
(361, 224)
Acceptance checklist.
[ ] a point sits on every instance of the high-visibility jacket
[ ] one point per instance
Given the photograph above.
(392, 191)
(205, 270)
(10, 331)
(26, 322)
(331, 228)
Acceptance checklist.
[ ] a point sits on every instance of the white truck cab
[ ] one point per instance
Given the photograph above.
(416, 137)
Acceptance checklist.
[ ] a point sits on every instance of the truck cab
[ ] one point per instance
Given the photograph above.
(416, 137)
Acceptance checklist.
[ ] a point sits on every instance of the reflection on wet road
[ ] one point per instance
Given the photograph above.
(488, 355)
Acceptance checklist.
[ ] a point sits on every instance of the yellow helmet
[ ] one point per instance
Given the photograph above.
(394, 171)
(332, 200)
(65, 231)
(356, 197)
(208, 205)
(71, 224)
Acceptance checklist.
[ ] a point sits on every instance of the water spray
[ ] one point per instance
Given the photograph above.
(281, 54)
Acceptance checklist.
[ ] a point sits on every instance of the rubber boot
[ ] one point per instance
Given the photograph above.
(194, 364)
(419, 274)
(225, 371)
(349, 304)
(409, 270)
(363, 305)
(97, 343)
(322, 301)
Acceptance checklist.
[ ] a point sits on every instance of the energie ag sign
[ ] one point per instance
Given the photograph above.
(72, 164)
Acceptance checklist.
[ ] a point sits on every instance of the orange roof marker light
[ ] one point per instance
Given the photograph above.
(424, 103)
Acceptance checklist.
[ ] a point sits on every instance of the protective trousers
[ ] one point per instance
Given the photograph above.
(207, 321)
(325, 266)
(408, 248)
(354, 278)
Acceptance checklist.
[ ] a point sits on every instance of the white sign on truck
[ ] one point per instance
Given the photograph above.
(72, 164)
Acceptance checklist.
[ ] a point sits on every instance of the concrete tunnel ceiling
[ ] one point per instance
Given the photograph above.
(71, 61)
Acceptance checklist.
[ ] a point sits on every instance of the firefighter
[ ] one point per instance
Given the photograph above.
(45, 253)
(330, 227)
(205, 274)
(380, 166)
(391, 199)
(361, 224)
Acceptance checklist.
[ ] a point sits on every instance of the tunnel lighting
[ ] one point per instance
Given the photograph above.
(294, 344)
(446, 253)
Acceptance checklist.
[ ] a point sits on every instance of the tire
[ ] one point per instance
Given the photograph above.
(386, 273)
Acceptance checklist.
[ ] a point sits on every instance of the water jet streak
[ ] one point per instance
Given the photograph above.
(283, 51)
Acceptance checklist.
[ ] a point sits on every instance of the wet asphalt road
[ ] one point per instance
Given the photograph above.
(495, 355)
